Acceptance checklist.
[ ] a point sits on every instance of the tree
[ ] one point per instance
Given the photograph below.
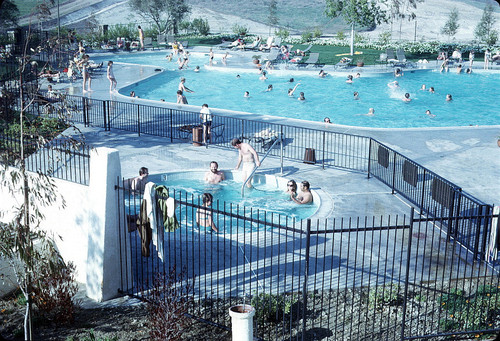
(363, 13)
(484, 31)
(403, 9)
(451, 26)
(151, 10)
(9, 14)
(272, 18)
(166, 14)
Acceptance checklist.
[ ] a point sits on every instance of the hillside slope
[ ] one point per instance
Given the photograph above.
(296, 15)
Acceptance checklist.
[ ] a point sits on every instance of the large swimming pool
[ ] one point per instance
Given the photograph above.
(474, 95)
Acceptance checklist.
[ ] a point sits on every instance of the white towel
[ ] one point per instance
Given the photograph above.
(157, 235)
(492, 253)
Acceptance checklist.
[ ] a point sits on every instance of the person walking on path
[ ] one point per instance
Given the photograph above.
(111, 77)
(141, 37)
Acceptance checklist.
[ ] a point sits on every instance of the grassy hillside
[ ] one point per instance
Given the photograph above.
(297, 14)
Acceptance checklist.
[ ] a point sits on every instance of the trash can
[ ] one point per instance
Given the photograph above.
(197, 136)
(310, 156)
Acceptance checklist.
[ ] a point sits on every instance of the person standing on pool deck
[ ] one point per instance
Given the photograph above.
(141, 37)
(214, 175)
(248, 156)
(211, 57)
(181, 99)
(139, 182)
(206, 121)
(305, 196)
(111, 77)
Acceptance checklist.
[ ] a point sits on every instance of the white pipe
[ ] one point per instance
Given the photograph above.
(242, 322)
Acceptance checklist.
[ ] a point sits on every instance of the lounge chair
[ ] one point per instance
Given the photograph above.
(273, 55)
(277, 42)
(148, 43)
(253, 46)
(390, 57)
(185, 44)
(268, 44)
(170, 39)
(160, 39)
(313, 58)
(402, 61)
(343, 63)
(307, 49)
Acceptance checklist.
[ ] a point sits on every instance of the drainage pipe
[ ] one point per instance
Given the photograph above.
(242, 322)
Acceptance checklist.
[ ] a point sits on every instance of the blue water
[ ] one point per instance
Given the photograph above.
(474, 95)
(259, 202)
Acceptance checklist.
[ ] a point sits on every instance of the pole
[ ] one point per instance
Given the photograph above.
(352, 39)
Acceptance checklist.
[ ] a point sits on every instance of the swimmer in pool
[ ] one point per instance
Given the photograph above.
(291, 91)
(357, 75)
(393, 85)
(449, 98)
(204, 216)
(197, 69)
(263, 77)
(431, 89)
(291, 188)
(301, 97)
(305, 196)
(248, 156)
(371, 112)
(356, 95)
(327, 120)
(322, 74)
(349, 79)
(406, 98)
(428, 113)
(269, 88)
(247, 94)
(423, 87)
(214, 175)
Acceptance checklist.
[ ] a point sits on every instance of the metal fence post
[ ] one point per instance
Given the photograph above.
(394, 174)
(171, 125)
(281, 150)
(369, 156)
(407, 273)
(138, 120)
(306, 274)
(84, 110)
(423, 193)
(106, 128)
(324, 143)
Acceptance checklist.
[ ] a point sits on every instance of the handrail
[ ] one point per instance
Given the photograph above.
(280, 139)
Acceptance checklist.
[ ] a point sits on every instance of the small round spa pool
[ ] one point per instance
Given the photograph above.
(267, 200)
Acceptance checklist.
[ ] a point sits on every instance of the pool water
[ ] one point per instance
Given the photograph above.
(474, 95)
(262, 201)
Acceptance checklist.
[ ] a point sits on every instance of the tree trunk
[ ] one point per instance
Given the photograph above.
(352, 39)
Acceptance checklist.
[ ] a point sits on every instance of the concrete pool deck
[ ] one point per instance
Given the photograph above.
(467, 156)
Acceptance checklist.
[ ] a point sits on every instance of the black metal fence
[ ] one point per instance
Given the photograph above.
(430, 193)
(59, 158)
(391, 278)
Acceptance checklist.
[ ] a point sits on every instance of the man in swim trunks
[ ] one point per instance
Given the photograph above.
(305, 196)
(214, 176)
(248, 156)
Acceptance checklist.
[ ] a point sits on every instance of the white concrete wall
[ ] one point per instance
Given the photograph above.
(86, 229)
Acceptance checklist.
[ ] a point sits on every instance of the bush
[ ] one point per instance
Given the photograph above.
(379, 297)
(54, 286)
(384, 38)
(306, 37)
(317, 33)
(240, 30)
(201, 26)
(340, 35)
(272, 307)
(282, 33)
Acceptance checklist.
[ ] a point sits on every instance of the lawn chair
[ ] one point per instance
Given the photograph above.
(268, 44)
(343, 63)
(313, 58)
(402, 59)
(390, 57)
(185, 44)
(273, 55)
(148, 43)
(307, 49)
(160, 40)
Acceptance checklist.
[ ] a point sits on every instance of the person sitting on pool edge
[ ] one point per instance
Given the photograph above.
(305, 196)
(204, 217)
(214, 175)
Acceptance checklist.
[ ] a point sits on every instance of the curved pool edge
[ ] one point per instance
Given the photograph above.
(321, 199)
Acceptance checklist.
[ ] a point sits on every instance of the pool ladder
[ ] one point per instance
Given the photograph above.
(280, 140)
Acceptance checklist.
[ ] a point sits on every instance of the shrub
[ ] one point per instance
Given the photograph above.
(282, 33)
(240, 30)
(53, 290)
(384, 38)
(306, 37)
(317, 33)
(167, 303)
(201, 26)
(271, 307)
(385, 295)
(340, 35)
